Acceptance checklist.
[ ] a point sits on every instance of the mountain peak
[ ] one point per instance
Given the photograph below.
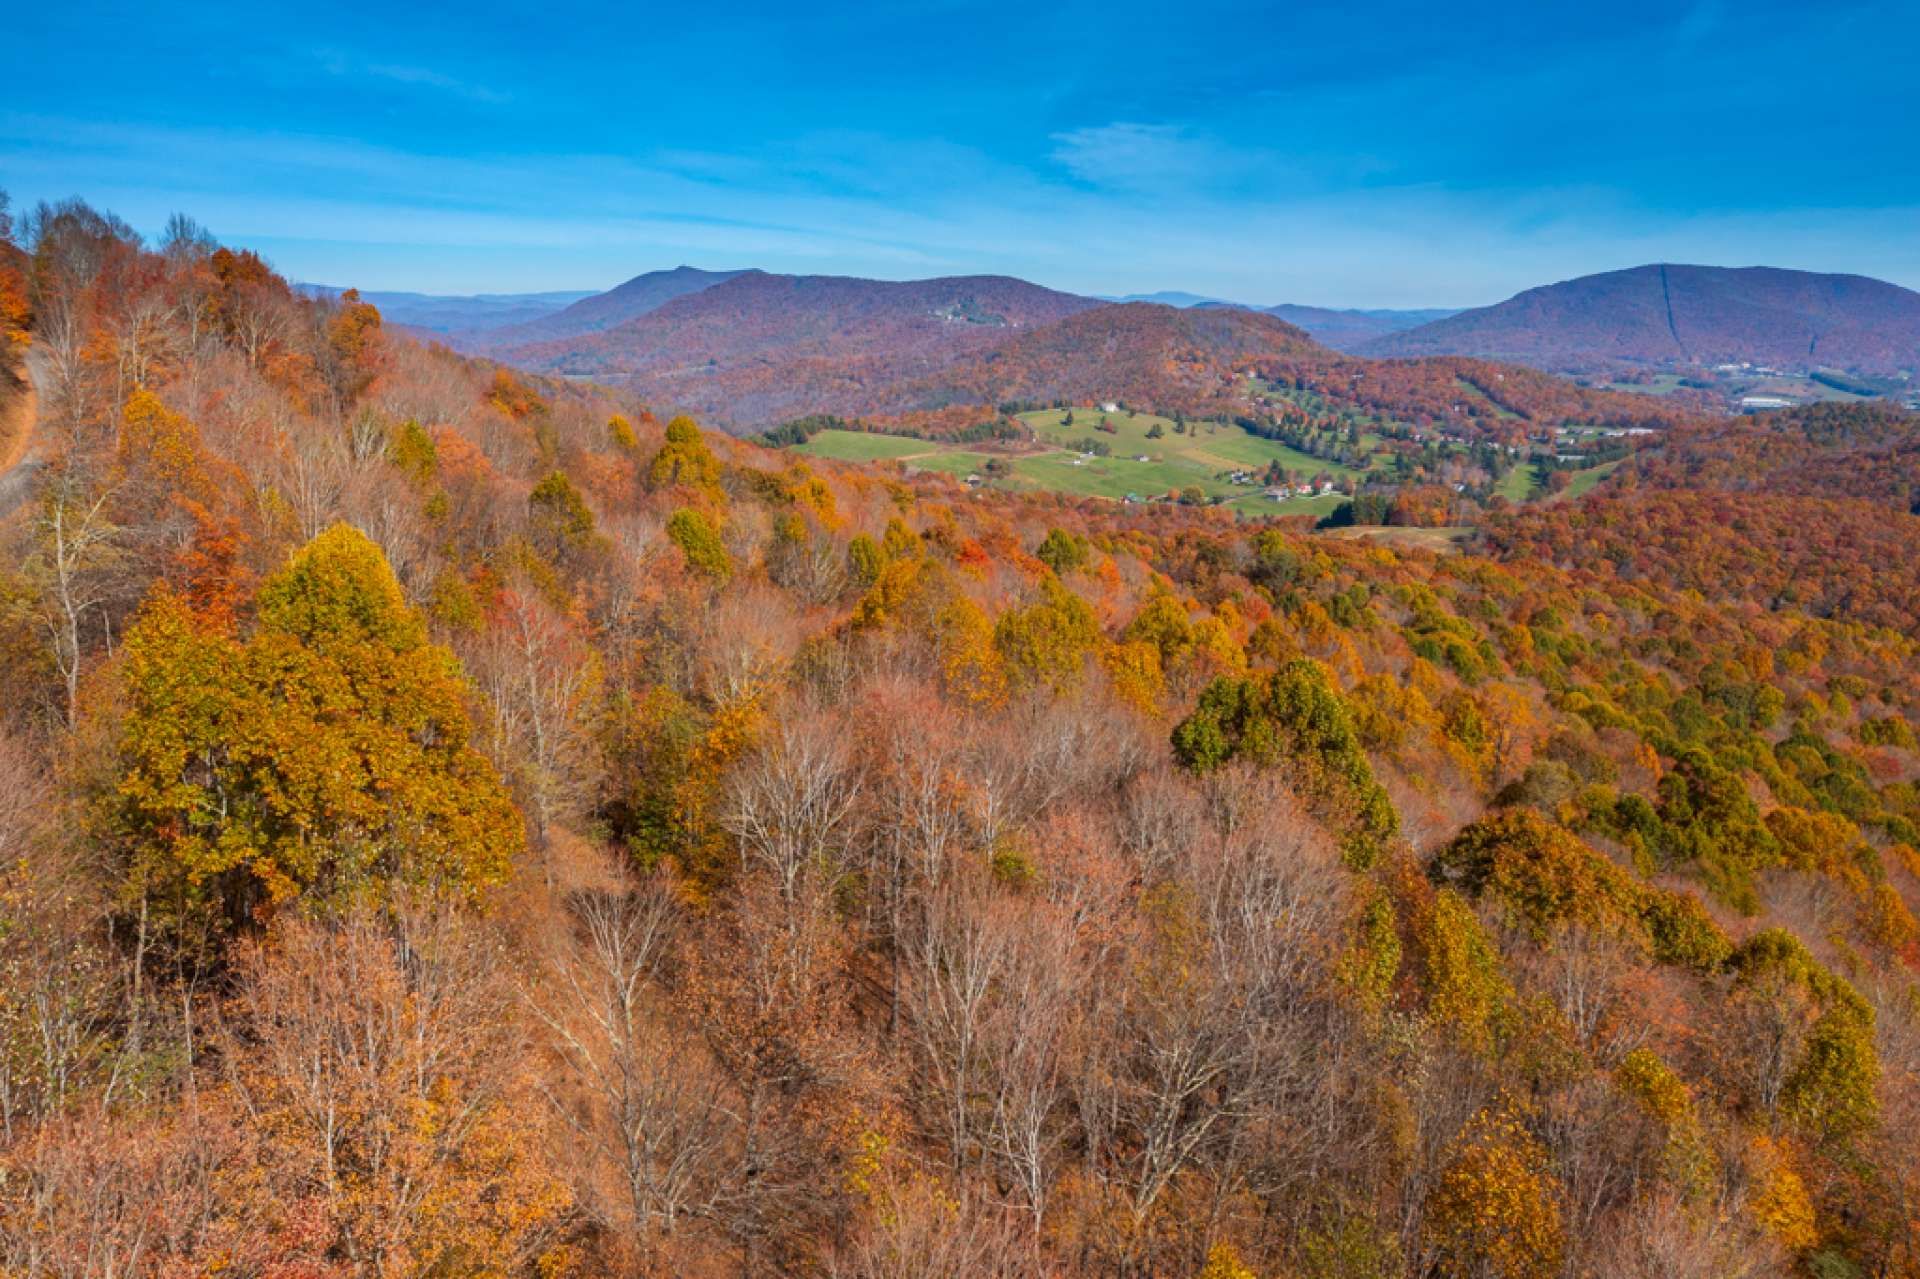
(1681, 314)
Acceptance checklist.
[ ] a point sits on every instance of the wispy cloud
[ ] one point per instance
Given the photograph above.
(345, 210)
(1141, 157)
(347, 65)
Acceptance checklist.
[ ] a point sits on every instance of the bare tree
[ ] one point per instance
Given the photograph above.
(1222, 1028)
(1667, 1238)
(956, 962)
(927, 1231)
(77, 549)
(539, 674)
(381, 1053)
(1033, 1044)
(791, 806)
(58, 985)
(650, 1118)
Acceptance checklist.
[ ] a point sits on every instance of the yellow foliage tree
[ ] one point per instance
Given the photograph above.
(684, 459)
(326, 754)
(1780, 1203)
(1224, 1263)
(1493, 1212)
(1133, 668)
(969, 664)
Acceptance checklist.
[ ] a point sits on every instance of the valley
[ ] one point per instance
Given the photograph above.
(1133, 457)
(1086, 451)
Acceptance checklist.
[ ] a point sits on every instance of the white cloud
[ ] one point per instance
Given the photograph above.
(346, 211)
(1141, 157)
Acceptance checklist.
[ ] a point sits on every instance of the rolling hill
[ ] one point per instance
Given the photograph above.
(759, 348)
(1343, 329)
(1140, 353)
(598, 311)
(1667, 315)
(1815, 509)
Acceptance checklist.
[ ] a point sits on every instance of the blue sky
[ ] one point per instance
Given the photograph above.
(1358, 153)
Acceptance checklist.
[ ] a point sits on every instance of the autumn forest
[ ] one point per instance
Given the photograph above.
(460, 821)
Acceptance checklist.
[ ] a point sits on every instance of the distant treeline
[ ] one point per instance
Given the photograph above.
(801, 429)
(1857, 384)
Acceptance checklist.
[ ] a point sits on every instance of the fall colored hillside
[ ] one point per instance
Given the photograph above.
(1816, 510)
(1686, 315)
(1869, 452)
(623, 302)
(761, 348)
(1191, 360)
(454, 822)
(1474, 397)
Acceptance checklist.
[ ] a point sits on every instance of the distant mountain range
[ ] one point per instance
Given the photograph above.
(596, 312)
(1668, 315)
(444, 314)
(750, 348)
(1347, 330)
(757, 348)
(1341, 329)
(1173, 297)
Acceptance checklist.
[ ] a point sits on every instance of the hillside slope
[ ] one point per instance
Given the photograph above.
(460, 824)
(761, 347)
(1680, 315)
(1858, 452)
(598, 311)
(1813, 509)
(1141, 353)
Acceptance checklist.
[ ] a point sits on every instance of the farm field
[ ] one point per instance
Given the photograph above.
(1518, 484)
(1207, 446)
(1174, 460)
(1661, 384)
(1113, 476)
(861, 446)
(1584, 480)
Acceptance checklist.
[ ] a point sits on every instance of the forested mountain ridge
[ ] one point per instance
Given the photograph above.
(1686, 315)
(454, 822)
(761, 349)
(596, 312)
(1187, 359)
